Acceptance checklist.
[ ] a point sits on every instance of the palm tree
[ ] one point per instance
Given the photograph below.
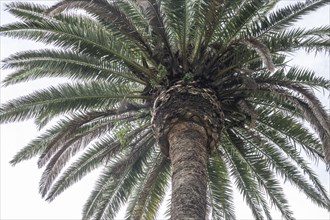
(196, 92)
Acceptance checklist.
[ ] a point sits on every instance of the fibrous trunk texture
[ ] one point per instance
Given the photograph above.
(186, 120)
(189, 155)
(186, 102)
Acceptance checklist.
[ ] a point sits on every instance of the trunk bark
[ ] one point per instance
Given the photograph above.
(186, 121)
(189, 154)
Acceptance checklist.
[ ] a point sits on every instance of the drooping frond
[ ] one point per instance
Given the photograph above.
(277, 125)
(262, 51)
(93, 158)
(74, 144)
(35, 147)
(274, 130)
(221, 200)
(66, 135)
(118, 180)
(98, 154)
(244, 181)
(291, 173)
(311, 111)
(147, 197)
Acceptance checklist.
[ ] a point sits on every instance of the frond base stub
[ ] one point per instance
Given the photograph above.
(186, 102)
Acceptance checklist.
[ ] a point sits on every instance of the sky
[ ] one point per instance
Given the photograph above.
(20, 199)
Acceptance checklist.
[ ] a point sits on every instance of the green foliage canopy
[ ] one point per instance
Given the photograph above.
(118, 56)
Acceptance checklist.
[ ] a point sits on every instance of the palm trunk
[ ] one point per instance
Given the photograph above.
(188, 153)
(186, 122)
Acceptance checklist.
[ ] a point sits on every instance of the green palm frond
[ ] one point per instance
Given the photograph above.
(152, 11)
(28, 11)
(55, 63)
(314, 40)
(284, 17)
(181, 20)
(291, 173)
(222, 205)
(92, 158)
(240, 16)
(36, 146)
(117, 181)
(67, 134)
(278, 161)
(279, 126)
(66, 98)
(302, 76)
(79, 141)
(67, 32)
(316, 116)
(159, 190)
(147, 197)
(244, 181)
(97, 155)
(110, 14)
(309, 99)
(266, 179)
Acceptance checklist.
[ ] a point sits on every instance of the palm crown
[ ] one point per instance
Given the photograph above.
(123, 58)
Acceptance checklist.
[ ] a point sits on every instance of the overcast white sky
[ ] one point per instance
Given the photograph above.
(19, 185)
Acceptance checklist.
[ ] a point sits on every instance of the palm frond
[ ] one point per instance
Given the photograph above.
(262, 51)
(79, 140)
(118, 56)
(284, 17)
(315, 115)
(282, 125)
(35, 147)
(282, 140)
(154, 15)
(148, 196)
(238, 18)
(68, 126)
(109, 12)
(266, 179)
(243, 178)
(66, 33)
(221, 201)
(59, 63)
(28, 11)
(66, 98)
(302, 76)
(95, 156)
(291, 172)
(313, 40)
(114, 186)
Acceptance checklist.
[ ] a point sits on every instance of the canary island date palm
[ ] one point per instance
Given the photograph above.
(192, 92)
